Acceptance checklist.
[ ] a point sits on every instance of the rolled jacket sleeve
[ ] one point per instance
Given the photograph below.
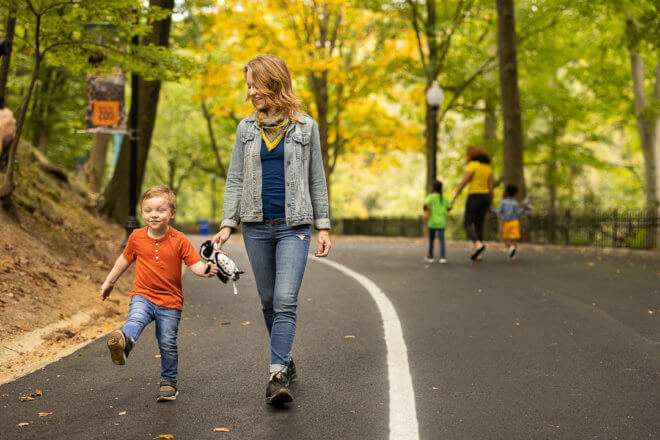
(231, 208)
(318, 189)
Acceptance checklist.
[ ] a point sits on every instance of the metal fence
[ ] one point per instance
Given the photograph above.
(635, 229)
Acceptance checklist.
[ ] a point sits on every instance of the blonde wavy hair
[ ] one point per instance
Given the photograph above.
(271, 76)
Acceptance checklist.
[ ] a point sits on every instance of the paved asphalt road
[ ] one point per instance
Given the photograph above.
(553, 345)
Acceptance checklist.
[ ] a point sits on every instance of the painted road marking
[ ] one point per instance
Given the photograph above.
(403, 416)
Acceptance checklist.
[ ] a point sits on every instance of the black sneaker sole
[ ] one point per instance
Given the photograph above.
(279, 398)
(116, 344)
(167, 398)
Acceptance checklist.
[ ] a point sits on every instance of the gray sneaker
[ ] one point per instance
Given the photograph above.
(167, 391)
(278, 392)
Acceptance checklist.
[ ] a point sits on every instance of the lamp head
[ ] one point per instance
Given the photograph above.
(434, 95)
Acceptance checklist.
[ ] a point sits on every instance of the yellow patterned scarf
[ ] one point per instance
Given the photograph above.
(273, 128)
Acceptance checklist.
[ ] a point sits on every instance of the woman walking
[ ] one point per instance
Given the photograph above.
(276, 187)
(479, 178)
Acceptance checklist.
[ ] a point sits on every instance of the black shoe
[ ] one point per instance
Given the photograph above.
(512, 252)
(278, 392)
(167, 391)
(478, 252)
(117, 345)
(291, 371)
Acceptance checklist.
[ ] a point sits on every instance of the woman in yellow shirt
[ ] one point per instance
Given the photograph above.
(479, 179)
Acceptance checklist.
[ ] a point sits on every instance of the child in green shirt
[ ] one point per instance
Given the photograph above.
(436, 207)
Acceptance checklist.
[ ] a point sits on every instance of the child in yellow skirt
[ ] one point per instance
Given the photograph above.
(509, 210)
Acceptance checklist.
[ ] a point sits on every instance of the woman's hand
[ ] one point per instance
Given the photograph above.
(222, 236)
(324, 243)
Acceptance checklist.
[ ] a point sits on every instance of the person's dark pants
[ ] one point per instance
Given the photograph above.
(476, 209)
(440, 233)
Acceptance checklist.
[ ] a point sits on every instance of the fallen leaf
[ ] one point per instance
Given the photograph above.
(308, 299)
(650, 312)
(25, 329)
(167, 436)
(106, 326)
(349, 337)
(517, 324)
(116, 424)
(5, 395)
(157, 356)
(593, 304)
(479, 290)
(23, 424)
(225, 322)
(591, 264)
(130, 379)
(221, 429)
(352, 412)
(435, 388)
(245, 323)
(25, 398)
(44, 414)
(38, 392)
(122, 413)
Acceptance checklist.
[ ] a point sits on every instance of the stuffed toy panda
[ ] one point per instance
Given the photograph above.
(227, 269)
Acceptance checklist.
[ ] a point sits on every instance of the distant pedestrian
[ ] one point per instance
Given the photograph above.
(276, 187)
(479, 178)
(157, 250)
(435, 210)
(509, 210)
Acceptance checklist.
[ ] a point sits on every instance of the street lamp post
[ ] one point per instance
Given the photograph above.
(434, 98)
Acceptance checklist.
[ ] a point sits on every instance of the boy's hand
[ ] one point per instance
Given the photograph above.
(211, 270)
(106, 288)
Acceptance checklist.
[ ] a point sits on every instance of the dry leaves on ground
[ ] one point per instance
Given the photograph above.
(349, 337)
(23, 424)
(44, 414)
(246, 323)
(166, 436)
(221, 430)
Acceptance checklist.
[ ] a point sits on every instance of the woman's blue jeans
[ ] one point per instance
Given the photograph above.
(141, 312)
(278, 254)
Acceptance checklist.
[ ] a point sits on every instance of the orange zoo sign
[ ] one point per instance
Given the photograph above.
(105, 113)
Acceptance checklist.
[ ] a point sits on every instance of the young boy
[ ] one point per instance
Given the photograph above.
(509, 210)
(157, 250)
(435, 210)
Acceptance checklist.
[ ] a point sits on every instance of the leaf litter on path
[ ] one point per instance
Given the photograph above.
(44, 414)
(221, 429)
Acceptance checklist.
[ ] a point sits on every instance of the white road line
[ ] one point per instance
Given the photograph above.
(403, 416)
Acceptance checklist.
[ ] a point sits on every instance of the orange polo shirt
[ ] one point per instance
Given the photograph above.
(158, 265)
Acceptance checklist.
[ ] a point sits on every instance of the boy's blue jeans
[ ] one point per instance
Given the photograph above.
(441, 238)
(140, 313)
(278, 255)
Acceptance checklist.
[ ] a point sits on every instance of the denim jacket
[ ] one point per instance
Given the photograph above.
(509, 209)
(306, 193)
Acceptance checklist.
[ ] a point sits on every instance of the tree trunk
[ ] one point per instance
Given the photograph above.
(8, 185)
(117, 194)
(95, 166)
(512, 142)
(648, 127)
(4, 66)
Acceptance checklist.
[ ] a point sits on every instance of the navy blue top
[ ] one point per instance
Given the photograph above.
(272, 172)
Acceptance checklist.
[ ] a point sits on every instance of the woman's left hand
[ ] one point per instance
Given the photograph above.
(324, 243)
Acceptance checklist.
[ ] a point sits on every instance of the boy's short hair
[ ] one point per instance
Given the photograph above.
(160, 191)
(511, 190)
(437, 186)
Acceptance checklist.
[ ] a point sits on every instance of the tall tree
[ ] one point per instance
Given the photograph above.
(512, 143)
(436, 31)
(117, 192)
(647, 113)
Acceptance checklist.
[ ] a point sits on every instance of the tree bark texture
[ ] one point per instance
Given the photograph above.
(117, 193)
(648, 127)
(512, 142)
(4, 65)
(431, 146)
(95, 165)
